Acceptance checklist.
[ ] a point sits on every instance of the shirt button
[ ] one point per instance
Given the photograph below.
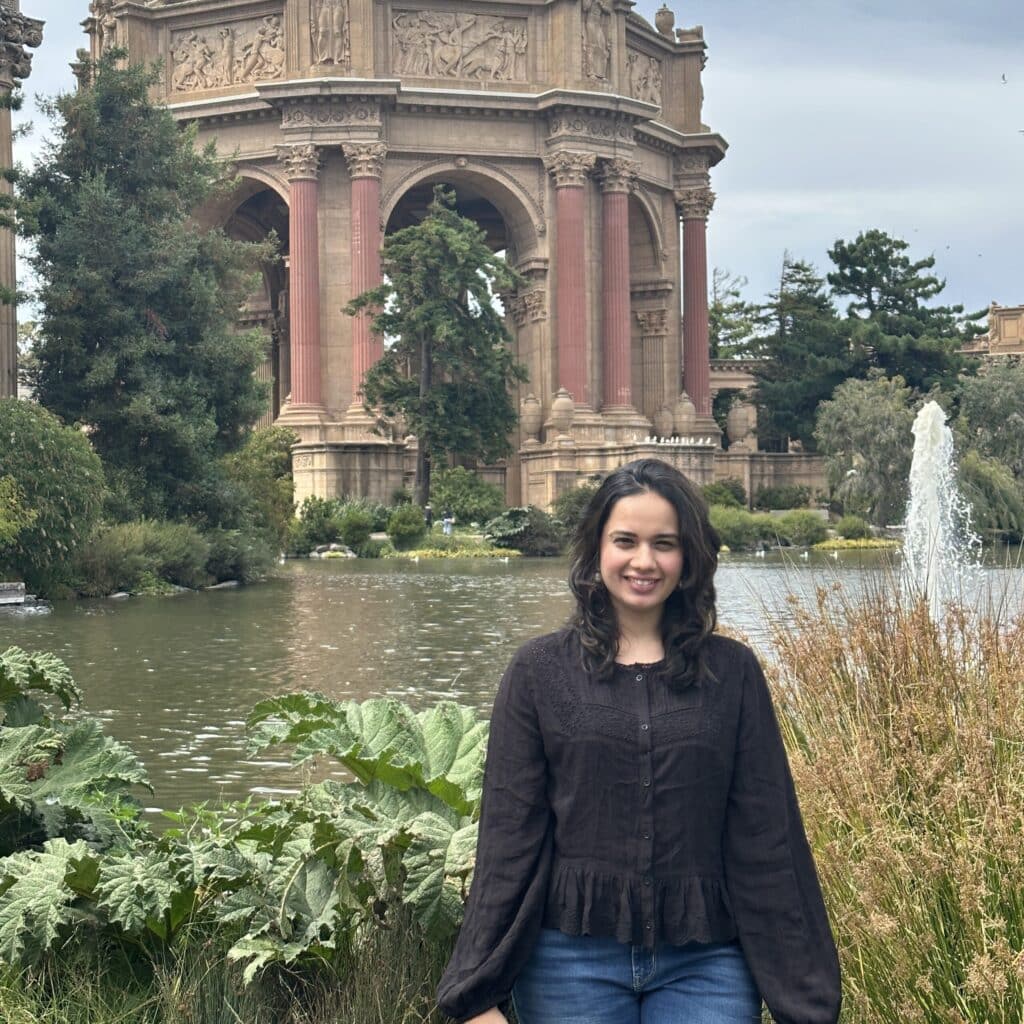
(644, 727)
(645, 835)
(649, 926)
(646, 782)
(647, 879)
(640, 678)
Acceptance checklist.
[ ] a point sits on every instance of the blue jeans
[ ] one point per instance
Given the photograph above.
(572, 979)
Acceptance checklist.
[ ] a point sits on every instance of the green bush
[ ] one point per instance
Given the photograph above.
(58, 478)
(355, 524)
(529, 530)
(263, 469)
(372, 548)
(996, 497)
(236, 555)
(740, 529)
(853, 528)
(317, 523)
(406, 526)
(802, 527)
(470, 499)
(129, 556)
(730, 493)
(568, 508)
(15, 515)
(783, 496)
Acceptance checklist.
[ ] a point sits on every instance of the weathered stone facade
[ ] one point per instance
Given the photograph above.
(571, 131)
(1005, 335)
(17, 34)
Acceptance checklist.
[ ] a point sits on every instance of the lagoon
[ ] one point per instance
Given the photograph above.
(175, 677)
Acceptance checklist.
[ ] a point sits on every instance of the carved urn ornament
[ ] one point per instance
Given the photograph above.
(563, 408)
(665, 21)
(663, 422)
(531, 416)
(684, 415)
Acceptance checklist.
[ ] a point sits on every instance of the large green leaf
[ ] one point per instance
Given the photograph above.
(440, 750)
(21, 672)
(139, 886)
(37, 891)
(438, 863)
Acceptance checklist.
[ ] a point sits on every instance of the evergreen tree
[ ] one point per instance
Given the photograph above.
(137, 334)
(732, 321)
(992, 415)
(807, 354)
(891, 321)
(448, 364)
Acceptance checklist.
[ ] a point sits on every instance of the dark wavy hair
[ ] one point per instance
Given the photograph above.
(689, 615)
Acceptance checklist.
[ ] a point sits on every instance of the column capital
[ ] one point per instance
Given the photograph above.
(694, 203)
(300, 161)
(17, 32)
(653, 321)
(618, 175)
(570, 169)
(365, 159)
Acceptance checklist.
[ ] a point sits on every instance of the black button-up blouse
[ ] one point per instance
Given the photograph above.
(644, 812)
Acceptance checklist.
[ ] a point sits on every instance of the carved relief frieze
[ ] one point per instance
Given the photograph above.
(219, 56)
(436, 44)
(644, 75)
(342, 112)
(105, 22)
(528, 307)
(597, 39)
(570, 168)
(571, 125)
(329, 27)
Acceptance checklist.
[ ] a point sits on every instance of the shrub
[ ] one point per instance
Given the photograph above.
(470, 499)
(317, 523)
(740, 529)
(783, 496)
(802, 527)
(729, 492)
(853, 528)
(128, 556)
(529, 530)
(263, 469)
(355, 524)
(236, 555)
(15, 515)
(372, 548)
(406, 526)
(996, 497)
(58, 478)
(568, 508)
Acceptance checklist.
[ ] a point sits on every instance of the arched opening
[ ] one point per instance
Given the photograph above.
(259, 211)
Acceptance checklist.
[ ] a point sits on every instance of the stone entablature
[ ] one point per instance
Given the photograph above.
(1005, 336)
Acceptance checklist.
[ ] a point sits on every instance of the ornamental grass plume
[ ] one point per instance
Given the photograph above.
(906, 739)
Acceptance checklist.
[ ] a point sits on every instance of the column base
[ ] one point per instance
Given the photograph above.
(707, 428)
(625, 425)
(587, 425)
(306, 420)
(358, 425)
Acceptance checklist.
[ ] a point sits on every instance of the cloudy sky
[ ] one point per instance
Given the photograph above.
(841, 115)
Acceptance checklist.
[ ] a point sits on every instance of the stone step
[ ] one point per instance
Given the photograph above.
(12, 593)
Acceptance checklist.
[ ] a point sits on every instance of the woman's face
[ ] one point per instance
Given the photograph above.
(641, 558)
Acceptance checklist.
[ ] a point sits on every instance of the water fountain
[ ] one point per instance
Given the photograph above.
(940, 551)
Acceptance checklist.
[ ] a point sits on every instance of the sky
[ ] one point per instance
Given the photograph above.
(841, 116)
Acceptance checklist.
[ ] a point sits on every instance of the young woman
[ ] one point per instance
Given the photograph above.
(641, 857)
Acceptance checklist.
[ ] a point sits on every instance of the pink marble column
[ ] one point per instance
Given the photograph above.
(302, 163)
(365, 163)
(694, 206)
(570, 171)
(617, 178)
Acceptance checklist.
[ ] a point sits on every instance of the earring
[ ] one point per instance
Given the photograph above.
(597, 578)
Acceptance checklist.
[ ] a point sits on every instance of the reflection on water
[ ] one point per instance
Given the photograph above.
(176, 677)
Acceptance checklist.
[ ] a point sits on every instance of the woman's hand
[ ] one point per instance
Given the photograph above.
(492, 1016)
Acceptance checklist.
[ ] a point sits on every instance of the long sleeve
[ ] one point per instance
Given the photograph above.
(513, 860)
(770, 875)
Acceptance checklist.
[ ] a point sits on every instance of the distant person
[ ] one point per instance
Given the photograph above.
(447, 522)
(428, 516)
(641, 858)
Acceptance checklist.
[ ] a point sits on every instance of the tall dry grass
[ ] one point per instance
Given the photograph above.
(906, 740)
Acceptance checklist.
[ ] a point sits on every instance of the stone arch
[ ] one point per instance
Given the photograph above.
(647, 248)
(523, 215)
(252, 180)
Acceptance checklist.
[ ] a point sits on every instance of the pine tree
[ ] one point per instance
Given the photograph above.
(137, 333)
(448, 363)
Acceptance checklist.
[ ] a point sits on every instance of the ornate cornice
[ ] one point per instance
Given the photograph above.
(570, 169)
(694, 203)
(365, 159)
(599, 128)
(333, 114)
(16, 33)
(618, 175)
(302, 161)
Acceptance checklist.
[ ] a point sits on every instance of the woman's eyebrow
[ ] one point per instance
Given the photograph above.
(659, 536)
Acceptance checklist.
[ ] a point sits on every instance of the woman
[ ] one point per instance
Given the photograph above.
(641, 857)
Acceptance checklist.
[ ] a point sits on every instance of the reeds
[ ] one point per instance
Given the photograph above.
(906, 741)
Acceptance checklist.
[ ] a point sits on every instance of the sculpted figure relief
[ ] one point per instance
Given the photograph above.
(106, 24)
(644, 77)
(330, 30)
(597, 38)
(435, 44)
(227, 56)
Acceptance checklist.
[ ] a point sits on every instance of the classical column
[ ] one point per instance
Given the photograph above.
(653, 331)
(617, 178)
(365, 164)
(569, 171)
(694, 205)
(303, 166)
(16, 33)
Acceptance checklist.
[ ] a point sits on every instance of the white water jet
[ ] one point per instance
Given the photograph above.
(940, 551)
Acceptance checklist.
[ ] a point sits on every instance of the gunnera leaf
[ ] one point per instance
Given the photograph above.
(21, 673)
(137, 886)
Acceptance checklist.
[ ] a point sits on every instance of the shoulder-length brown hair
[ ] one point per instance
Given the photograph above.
(689, 616)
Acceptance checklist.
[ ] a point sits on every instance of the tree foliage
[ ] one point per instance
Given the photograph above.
(732, 320)
(894, 329)
(54, 493)
(137, 336)
(864, 432)
(448, 363)
(992, 415)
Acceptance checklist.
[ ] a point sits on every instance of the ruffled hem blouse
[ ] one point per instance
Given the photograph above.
(644, 811)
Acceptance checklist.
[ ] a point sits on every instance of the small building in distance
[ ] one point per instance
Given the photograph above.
(1005, 335)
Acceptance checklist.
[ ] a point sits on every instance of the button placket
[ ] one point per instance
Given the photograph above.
(645, 863)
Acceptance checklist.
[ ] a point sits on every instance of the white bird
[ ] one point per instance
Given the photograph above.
(805, 555)
(759, 553)
(835, 555)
